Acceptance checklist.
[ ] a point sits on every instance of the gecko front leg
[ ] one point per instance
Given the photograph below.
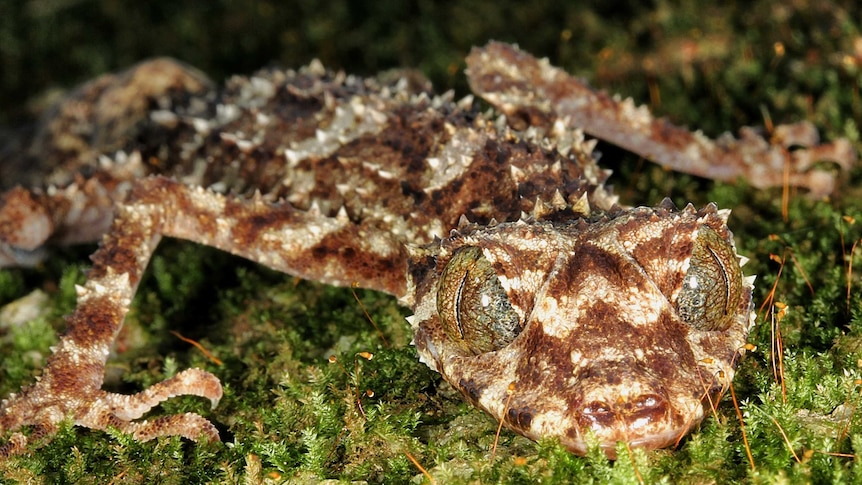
(71, 383)
(300, 243)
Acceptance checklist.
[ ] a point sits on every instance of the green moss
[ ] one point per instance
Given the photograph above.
(290, 415)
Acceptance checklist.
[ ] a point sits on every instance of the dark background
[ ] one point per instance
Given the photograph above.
(722, 57)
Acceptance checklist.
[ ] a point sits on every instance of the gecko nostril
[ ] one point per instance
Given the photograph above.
(644, 410)
(647, 401)
(597, 408)
(596, 414)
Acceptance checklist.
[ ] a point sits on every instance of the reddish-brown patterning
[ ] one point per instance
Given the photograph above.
(537, 296)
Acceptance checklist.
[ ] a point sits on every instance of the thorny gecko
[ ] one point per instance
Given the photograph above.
(534, 293)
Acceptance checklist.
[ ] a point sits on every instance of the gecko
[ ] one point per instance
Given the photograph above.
(534, 293)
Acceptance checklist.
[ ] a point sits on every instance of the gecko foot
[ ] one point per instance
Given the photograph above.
(59, 396)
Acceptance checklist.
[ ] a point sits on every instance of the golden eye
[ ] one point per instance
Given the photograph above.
(473, 306)
(712, 287)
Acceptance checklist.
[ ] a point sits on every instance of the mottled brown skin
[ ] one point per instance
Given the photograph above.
(565, 319)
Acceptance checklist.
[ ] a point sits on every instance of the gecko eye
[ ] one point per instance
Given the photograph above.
(712, 287)
(473, 306)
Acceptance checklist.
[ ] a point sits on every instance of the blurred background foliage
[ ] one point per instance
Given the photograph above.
(715, 53)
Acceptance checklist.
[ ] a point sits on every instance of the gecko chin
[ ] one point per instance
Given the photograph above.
(660, 436)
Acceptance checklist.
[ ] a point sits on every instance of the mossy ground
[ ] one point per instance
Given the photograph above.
(289, 415)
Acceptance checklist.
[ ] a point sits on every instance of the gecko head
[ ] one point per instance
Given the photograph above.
(616, 329)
